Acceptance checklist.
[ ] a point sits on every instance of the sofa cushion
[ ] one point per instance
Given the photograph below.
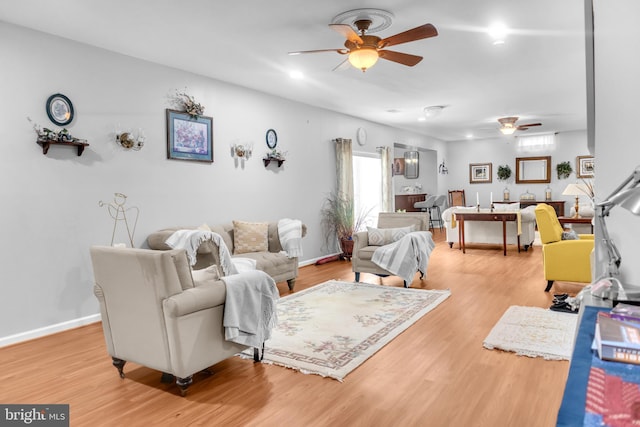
(250, 237)
(272, 263)
(206, 275)
(384, 236)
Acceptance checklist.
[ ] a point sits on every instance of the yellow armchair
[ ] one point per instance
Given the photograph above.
(566, 260)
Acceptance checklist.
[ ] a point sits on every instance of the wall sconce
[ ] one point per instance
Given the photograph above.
(442, 169)
(241, 151)
(130, 141)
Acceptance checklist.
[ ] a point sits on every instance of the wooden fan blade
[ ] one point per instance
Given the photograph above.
(525, 127)
(399, 57)
(340, 51)
(418, 33)
(347, 32)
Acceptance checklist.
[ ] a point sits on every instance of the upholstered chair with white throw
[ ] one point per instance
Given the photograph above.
(565, 256)
(391, 226)
(157, 314)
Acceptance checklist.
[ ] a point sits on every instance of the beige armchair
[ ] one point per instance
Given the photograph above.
(153, 313)
(362, 251)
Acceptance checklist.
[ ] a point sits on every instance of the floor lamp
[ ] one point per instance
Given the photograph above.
(627, 195)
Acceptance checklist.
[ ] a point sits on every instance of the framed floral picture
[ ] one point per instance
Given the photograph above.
(480, 173)
(189, 137)
(585, 167)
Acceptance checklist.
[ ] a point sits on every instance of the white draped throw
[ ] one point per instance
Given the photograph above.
(406, 256)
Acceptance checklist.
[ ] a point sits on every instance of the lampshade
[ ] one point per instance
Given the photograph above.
(508, 129)
(628, 199)
(363, 58)
(575, 190)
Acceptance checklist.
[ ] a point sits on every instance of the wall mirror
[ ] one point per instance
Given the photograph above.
(533, 170)
(411, 161)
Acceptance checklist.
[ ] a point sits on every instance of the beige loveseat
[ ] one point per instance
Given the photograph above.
(490, 232)
(274, 261)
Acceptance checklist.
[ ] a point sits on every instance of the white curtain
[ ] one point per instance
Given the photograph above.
(344, 168)
(387, 183)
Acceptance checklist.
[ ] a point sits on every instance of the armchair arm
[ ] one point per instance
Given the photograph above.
(585, 236)
(360, 240)
(195, 299)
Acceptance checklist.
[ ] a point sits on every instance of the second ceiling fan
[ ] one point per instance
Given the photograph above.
(508, 125)
(364, 50)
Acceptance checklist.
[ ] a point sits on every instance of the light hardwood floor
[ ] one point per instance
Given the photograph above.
(436, 373)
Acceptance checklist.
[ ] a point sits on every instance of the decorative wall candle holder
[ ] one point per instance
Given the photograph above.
(130, 141)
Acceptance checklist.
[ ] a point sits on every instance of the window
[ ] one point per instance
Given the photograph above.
(367, 184)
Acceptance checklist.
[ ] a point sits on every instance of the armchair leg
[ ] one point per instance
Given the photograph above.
(549, 285)
(183, 384)
(291, 283)
(357, 276)
(406, 285)
(119, 364)
(167, 378)
(257, 357)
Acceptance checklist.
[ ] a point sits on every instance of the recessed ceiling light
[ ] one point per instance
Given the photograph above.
(296, 75)
(498, 32)
(469, 135)
(422, 119)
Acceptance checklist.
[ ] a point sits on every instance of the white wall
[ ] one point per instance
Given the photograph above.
(50, 206)
(503, 151)
(617, 87)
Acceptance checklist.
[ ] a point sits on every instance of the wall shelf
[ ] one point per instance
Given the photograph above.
(267, 161)
(45, 144)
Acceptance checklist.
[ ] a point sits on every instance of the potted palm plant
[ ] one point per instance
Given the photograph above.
(340, 220)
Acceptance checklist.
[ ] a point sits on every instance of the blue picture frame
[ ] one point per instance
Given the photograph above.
(189, 137)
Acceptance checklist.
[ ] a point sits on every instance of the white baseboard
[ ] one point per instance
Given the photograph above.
(314, 260)
(48, 330)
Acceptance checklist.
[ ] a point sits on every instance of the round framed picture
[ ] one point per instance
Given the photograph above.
(272, 138)
(60, 109)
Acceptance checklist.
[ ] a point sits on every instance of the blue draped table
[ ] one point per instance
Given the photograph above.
(572, 410)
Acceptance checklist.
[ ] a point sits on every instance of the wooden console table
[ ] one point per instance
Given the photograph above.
(406, 201)
(461, 217)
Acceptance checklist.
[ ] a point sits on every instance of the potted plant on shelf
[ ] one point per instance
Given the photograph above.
(564, 169)
(339, 219)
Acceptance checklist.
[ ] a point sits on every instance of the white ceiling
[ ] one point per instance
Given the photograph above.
(538, 74)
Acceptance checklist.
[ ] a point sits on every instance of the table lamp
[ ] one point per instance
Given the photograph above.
(576, 190)
(627, 195)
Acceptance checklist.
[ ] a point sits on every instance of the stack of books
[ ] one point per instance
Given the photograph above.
(617, 334)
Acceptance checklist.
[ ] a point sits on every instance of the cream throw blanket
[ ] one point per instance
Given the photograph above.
(190, 240)
(250, 307)
(406, 256)
(290, 234)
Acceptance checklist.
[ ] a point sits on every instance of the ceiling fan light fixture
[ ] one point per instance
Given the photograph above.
(508, 129)
(363, 58)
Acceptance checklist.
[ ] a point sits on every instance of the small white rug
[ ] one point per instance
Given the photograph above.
(534, 332)
(332, 328)
(537, 241)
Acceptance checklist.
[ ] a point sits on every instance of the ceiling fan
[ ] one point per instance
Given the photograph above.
(508, 125)
(364, 50)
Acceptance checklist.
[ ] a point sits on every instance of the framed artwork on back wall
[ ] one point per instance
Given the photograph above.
(189, 137)
(585, 167)
(480, 173)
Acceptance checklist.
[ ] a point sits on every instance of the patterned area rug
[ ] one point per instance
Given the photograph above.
(534, 332)
(332, 328)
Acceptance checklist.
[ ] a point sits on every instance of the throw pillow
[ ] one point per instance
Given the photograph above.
(569, 235)
(205, 275)
(384, 236)
(250, 237)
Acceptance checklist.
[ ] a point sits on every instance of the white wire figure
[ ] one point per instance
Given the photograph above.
(119, 213)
